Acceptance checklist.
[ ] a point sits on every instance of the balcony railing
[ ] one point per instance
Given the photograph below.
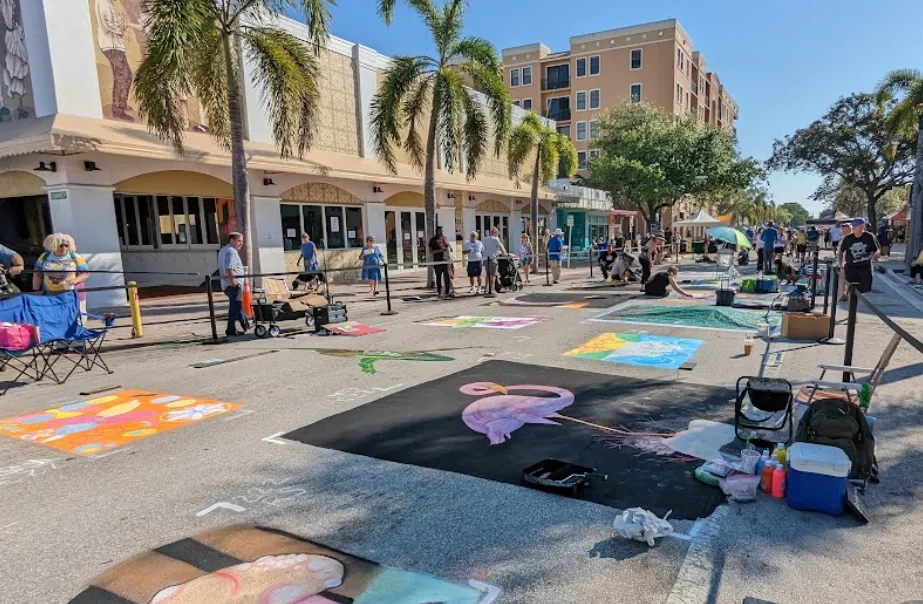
(555, 84)
(561, 115)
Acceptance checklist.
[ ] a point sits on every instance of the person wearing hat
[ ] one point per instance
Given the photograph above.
(857, 252)
(556, 249)
(769, 237)
(439, 246)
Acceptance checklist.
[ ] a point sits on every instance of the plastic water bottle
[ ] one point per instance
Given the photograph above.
(865, 396)
(764, 459)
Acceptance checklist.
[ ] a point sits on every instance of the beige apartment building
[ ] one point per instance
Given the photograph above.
(654, 62)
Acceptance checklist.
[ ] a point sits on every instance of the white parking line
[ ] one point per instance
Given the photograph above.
(273, 438)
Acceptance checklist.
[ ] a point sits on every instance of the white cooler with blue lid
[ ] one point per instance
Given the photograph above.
(817, 478)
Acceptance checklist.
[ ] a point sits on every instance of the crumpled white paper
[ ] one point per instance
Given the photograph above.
(642, 525)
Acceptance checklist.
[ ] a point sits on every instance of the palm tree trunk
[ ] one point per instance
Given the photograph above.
(915, 235)
(534, 211)
(429, 190)
(241, 183)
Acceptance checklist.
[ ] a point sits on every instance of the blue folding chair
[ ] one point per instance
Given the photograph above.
(29, 362)
(63, 335)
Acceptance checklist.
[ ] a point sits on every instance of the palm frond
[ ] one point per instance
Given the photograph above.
(387, 118)
(488, 80)
(209, 81)
(548, 165)
(476, 132)
(162, 81)
(477, 50)
(288, 77)
(450, 26)
(449, 105)
(522, 143)
(415, 110)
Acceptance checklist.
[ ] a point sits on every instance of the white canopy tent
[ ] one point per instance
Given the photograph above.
(700, 219)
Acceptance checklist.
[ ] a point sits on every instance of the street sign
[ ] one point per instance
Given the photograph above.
(570, 220)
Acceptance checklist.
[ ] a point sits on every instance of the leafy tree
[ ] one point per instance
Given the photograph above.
(850, 142)
(651, 159)
(429, 93)
(533, 137)
(194, 49)
(852, 202)
(905, 87)
(798, 216)
(892, 201)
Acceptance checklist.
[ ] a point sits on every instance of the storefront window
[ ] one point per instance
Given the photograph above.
(291, 227)
(211, 219)
(336, 237)
(313, 222)
(131, 224)
(120, 221)
(162, 221)
(165, 221)
(354, 233)
(145, 220)
(195, 229)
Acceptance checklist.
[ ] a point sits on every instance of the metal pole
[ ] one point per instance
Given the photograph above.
(211, 308)
(827, 286)
(831, 338)
(134, 305)
(388, 292)
(850, 330)
(590, 251)
(547, 268)
(814, 282)
(570, 240)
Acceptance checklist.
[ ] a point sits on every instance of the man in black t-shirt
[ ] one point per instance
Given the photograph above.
(857, 252)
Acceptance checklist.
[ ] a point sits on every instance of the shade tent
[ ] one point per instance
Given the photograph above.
(828, 218)
(700, 219)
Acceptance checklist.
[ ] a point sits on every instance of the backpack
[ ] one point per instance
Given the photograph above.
(838, 423)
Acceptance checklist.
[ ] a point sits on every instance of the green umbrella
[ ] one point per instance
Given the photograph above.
(729, 235)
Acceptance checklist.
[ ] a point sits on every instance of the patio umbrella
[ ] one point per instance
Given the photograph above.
(729, 235)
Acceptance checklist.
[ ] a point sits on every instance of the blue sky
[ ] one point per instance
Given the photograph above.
(784, 61)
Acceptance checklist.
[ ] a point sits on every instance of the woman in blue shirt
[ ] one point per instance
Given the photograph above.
(308, 253)
(372, 259)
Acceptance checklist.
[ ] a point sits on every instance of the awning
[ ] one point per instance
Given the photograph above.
(70, 135)
(629, 213)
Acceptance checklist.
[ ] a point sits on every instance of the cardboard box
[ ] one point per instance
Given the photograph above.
(805, 326)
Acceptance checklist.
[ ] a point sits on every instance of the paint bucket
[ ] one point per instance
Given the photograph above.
(762, 330)
(748, 460)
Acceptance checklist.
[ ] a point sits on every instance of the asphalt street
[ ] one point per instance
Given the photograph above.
(64, 518)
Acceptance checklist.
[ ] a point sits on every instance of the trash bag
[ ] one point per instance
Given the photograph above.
(642, 525)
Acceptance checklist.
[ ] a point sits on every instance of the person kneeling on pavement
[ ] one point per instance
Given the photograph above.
(623, 270)
(657, 285)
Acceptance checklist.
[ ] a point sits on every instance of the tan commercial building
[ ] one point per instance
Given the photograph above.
(654, 62)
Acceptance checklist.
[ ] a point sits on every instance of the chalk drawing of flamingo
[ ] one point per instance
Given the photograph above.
(499, 413)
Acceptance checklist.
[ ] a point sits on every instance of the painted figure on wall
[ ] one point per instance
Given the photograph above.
(111, 27)
(16, 83)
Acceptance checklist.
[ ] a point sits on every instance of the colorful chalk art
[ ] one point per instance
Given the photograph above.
(107, 422)
(250, 564)
(639, 349)
(465, 321)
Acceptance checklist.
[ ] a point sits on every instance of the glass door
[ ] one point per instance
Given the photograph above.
(391, 236)
(406, 235)
(419, 225)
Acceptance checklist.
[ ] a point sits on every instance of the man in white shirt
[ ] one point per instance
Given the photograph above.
(231, 269)
(473, 250)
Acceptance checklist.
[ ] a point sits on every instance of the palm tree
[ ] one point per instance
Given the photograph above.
(530, 137)
(194, 50)
(430, 93)
(906, 87)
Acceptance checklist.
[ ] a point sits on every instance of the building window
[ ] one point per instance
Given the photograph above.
(594, 65)
(594, 130)
(527, 104)
(679, 94)
(526, 76)
(687, 100)
(680, 58)
(594, 99)
(514, 78)
(564, 131)
(330, 227)
(155, 222)
(559, 108)
(557, 77)
(581, 67)
(636, 58)
(581, 160)
(593, 154)
(635, 93)
(581, 131)
(581, 100)
(516, 103)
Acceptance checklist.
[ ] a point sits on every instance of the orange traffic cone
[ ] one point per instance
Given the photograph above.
(247, 299)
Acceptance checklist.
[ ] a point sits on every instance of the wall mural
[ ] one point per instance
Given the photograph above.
(107, 422)
(120, 45)
(251, 564)
(638, 349)
(16, 95)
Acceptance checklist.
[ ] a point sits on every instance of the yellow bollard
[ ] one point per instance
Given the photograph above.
(134, 304)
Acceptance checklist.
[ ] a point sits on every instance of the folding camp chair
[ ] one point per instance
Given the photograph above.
(724, 265)
(860, 376)
(64, 336)
(27, 363)
(758, 404)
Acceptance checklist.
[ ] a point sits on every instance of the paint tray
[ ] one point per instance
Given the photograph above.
(559, 476)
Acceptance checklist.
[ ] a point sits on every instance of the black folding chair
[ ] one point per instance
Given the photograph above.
(29, 363)
(766, 398)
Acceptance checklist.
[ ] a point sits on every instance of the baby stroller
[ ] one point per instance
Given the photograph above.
(508, 273)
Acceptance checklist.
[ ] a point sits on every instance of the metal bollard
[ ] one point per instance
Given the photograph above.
(827, 286)
(851, 329)
(211, 308)
(388, 292)
(547, 269)
(814, 282)
(590, 258)
(831, 338)
(134, 305)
